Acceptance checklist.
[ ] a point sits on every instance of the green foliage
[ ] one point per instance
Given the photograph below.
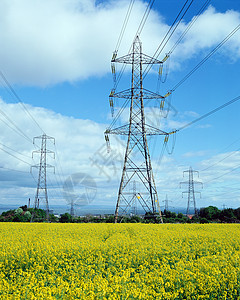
(8, 213)
(19, 218)
(109, 219)
(237, 213)
(228, 216)
(18, 211)
(38, 214)
(24, 207)
(180, 216)
(204, 220)
(207, 215)
(53, 219)
(65, 218)
(210, 213)
(27, 215)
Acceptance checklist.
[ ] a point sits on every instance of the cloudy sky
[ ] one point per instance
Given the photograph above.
(56, 56)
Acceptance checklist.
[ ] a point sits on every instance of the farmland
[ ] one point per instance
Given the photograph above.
(119, 261)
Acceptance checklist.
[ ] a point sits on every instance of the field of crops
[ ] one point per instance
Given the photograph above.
(119, 261)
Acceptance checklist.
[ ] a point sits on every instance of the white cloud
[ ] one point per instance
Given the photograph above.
(193, 154)
(44, 42)
(211, 28)
(80, 148)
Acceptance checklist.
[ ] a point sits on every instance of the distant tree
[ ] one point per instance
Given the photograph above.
(210, 213)
(24, 207)
(53, 218)
(19, 218)
(228, 216)
(27, 216)
(8, 213)
(150, 217)
(203, 220)
(169, 214)
(109, 219)
(38, 214)
(180, 216)
(18, 211)
(237, 213)
(65, 218)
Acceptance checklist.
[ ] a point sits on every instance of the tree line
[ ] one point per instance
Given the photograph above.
(210, 214)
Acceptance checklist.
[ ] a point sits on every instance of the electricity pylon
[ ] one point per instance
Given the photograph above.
(191, 191)
(137, 162)
(166, 202)
(41, 193)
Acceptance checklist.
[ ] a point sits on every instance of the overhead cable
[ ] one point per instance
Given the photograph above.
(139, 30)
(206, 58)
(19, 99)
(202, 9)
(13, 150)
(169, 34)
(15, 157)
(15, 128)
(232, 170)
(13, 170)
(232, 153)
(209, 113)
(124, 25)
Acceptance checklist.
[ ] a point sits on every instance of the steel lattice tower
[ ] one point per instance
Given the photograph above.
(41, 193)
(72, 209)
(166, 202)
(191, 191)
(137, 162)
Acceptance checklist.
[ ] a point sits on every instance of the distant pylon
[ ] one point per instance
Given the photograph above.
(41, 193)
(166, 202)
(191, 191)
(72, 208)
(137, 162)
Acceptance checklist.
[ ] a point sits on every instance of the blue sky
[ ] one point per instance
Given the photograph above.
(56, 55)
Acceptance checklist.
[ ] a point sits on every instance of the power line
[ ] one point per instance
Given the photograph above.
(116, 81)
(16, 157)
(194, 121)
(139, 30)
(144, 18)
(169, 34)
(177, 22)
(232, 170)
(19, 99)
(221, 160)
(13, 150)
(202, 9)
(15, 128)
(206, 58)
(13, 170)
(209, 113)
(124, 25)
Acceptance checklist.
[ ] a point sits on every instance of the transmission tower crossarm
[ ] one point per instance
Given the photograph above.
(131, 58)
(124, 130)
(45, 136)
(128, 94)
(198, 182)
(187, 171)
(151, 130)
(46, 151)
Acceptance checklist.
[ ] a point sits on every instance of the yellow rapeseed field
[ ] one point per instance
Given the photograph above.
(119, 261)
